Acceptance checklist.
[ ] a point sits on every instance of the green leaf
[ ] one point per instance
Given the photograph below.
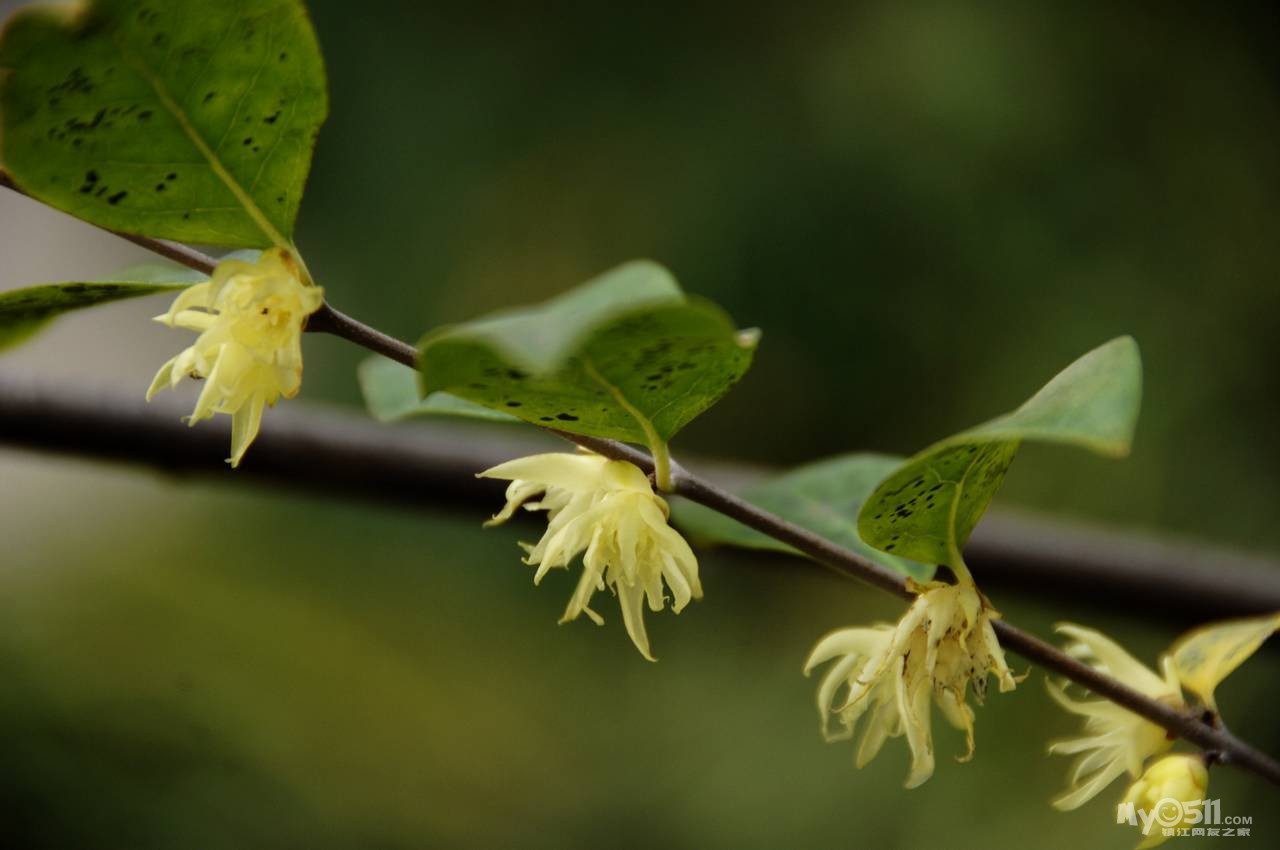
(391, 394)
(182, 119)
(823, 497)
(25, 312)
(625, 356)
(926, 509)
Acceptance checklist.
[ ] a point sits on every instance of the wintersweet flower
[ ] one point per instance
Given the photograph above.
(606, 511)
(250, 318)
(1116, 741)
(944, 644)
(1167, 796)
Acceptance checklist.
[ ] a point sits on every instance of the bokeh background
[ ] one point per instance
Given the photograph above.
(929, 207)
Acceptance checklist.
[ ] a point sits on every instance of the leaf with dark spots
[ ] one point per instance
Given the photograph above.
(1093, 403)
(130, 96)
(25, 312)
(582, 360)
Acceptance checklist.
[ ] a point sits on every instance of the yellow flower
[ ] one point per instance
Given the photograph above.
(250, 318)
(894, 673)
(605, 510)
(1116, 740)
(1168, 796)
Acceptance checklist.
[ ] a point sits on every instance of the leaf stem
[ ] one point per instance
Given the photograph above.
(657, 446)
(662, 467)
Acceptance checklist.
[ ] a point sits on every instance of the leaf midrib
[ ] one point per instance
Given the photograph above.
(215, 164)
(646, 424)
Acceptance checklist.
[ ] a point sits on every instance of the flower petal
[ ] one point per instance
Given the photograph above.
(632, 599)
(244, 428)
(579, 473)
(913, 704)
(1113, 659)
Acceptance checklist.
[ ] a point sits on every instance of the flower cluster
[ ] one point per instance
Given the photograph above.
(894, 673)
(888, 677)
(1116, 741)
(606, 511)
(250, 318)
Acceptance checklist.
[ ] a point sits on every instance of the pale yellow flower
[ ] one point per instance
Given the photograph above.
(1167, 796)
(1116, 740)
(606, 511)
(250, 318)
(894, 673)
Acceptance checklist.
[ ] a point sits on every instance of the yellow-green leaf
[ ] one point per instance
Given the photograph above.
(1207, 655)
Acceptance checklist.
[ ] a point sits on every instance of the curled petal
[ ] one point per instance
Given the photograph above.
(891, 674)
(913, 705)
(1110, 657)
(632, 601)
(884, 723)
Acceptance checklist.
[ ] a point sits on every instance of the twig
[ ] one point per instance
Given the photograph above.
(1193, 728)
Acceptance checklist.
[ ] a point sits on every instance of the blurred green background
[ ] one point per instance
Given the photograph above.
(929, 207)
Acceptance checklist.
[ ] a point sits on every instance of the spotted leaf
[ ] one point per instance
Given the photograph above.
(926, 508)
(181, 119)
(25, 312)
(625, 356)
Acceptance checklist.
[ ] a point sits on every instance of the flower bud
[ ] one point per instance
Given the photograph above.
(1168, 796)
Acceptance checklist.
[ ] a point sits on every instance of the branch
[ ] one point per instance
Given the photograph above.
(1194, 728)
(341, 453)
(332, 452)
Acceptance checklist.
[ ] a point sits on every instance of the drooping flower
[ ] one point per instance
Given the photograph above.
(1167, 796)
(250, 318)
(606, 511)
(894, 673)
(1116, 741)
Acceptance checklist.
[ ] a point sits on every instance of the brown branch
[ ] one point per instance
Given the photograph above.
(331, 451)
